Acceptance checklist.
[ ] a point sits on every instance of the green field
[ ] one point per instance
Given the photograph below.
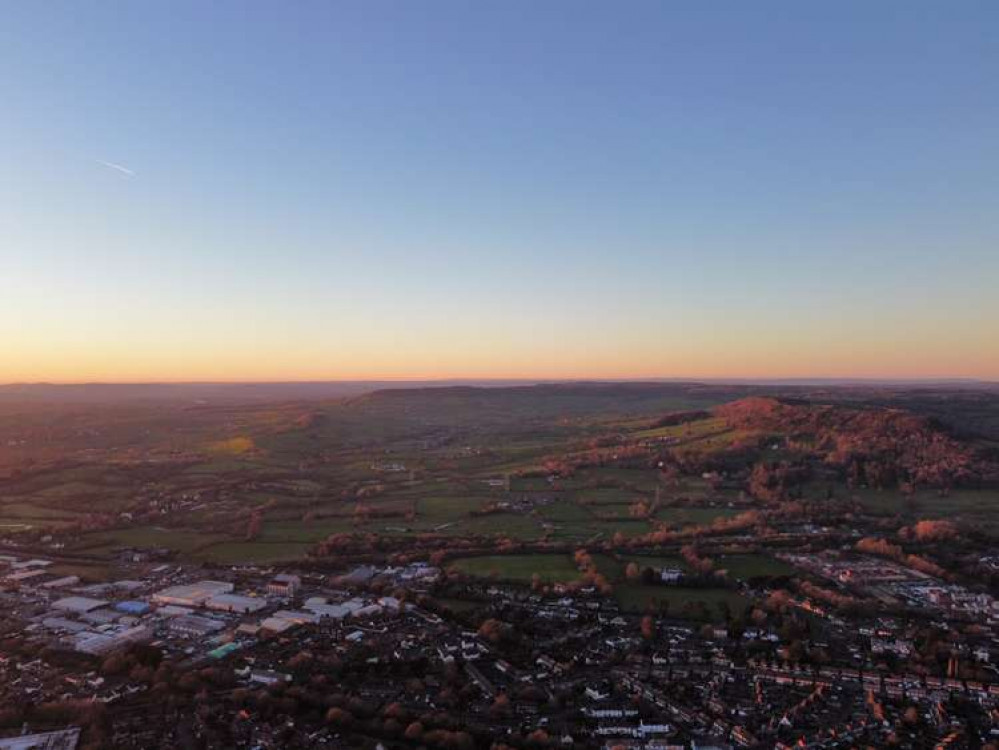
(180, 540)
(972, 507)
(443, 509)
(600, 529)
(28, 515)
(743, 567)
(311, 531)
(607, 496)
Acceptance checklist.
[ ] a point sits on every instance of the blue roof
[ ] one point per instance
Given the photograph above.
(132, 607)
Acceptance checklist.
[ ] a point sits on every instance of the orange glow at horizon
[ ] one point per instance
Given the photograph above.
(107, 364)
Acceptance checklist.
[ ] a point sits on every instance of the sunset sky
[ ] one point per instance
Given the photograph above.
(557, 189)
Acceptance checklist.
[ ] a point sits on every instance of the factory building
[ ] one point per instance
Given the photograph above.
(132, 608)
(235, 603)
(284, 585)
(195, 625)
(78, 604)
(102, 643)
(192, 594)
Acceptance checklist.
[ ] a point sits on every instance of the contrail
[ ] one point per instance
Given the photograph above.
(110, 165)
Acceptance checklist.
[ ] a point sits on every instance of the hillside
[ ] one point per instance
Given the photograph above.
(872, 446)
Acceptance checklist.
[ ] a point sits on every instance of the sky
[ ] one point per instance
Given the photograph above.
(499, 189)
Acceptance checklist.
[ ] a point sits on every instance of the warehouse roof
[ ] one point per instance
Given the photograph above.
(78, 604)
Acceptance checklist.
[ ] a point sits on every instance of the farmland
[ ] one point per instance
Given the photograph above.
(548, 465)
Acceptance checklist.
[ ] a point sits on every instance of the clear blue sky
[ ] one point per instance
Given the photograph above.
(393, 189)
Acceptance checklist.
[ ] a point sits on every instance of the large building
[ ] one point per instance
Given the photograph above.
(63, 739)
(235, 603)
(78, 604)
(102, 643)
(192, 594)
(135, 608)
(196, 626)
(284, 585)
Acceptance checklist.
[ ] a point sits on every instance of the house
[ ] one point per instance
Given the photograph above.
(268, 677)
(670, 575)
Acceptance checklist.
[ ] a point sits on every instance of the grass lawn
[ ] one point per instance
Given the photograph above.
(741, 567)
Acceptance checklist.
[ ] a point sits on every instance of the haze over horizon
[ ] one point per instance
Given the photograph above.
(386, 191)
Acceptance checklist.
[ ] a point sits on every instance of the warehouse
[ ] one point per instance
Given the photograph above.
(195, 626)
(64, 625)
(235, 603)
(298, 618)
(192, 594)
(102, 643)
(335, 611)
(102, 616)
(78, 604)
(60, 583)
(277, 625)
(132, 607)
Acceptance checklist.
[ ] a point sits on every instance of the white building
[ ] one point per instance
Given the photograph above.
(78, 604)
(284, 585)
(192, 594)
(235, 603)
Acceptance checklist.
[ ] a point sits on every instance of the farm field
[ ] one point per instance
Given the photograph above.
(417, 467)
(183, 541)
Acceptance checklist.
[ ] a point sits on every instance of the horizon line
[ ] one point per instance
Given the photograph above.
(739, 379)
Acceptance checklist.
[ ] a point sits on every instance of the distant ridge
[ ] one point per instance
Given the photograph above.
(84, 393)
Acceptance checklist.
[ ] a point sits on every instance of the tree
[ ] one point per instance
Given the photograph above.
(501, 706)
(114, 664)
(648, 627)
(254, 525)
(339, 717)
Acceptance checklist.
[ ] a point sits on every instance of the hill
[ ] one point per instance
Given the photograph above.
(873, 446)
